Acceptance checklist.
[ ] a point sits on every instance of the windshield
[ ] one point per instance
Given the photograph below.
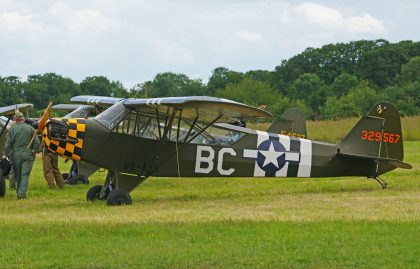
(113, 115)
(81, 112)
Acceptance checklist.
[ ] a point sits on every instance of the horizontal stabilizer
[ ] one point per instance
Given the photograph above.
(392, 162)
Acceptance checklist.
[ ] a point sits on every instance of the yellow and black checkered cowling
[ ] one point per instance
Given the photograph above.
(69, 148)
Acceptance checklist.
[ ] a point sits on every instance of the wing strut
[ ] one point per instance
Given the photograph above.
(190, 130)
(158, 123)
(205, 128)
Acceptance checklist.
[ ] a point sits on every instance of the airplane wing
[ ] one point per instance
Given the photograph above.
(10, 110)
(205, 107)
(103, 101)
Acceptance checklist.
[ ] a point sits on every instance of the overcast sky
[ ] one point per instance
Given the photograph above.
(133, 40)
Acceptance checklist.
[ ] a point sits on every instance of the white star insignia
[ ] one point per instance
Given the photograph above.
(271, 156)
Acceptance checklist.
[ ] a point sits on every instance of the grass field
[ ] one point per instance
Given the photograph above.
(219, 223)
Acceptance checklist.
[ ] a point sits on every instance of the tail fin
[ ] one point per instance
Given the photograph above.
(377, 136)
(291, 123)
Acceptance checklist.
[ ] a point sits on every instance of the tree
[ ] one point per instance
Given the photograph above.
(336, 108)
(380, 66)
(358, 100)
(410, 71)
(311, 89)
(255, 93)
(406, 97)
(41, 89)
(171, 84)
(326, 62)
(10, 91)
(221, 77)
(96, 85)
(343, 83)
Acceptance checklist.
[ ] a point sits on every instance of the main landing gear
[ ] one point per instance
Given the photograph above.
(380, 181)
(112, 197)
(115, 189)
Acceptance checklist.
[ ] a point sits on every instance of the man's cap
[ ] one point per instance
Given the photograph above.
(19, 114)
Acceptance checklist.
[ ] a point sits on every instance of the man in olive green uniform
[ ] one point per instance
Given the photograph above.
(22, 157)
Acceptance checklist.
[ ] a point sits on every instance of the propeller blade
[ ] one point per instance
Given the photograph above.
(41, 123)
(43, 120)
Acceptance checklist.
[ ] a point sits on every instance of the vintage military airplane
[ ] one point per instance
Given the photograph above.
(188, 136)
(6, 116)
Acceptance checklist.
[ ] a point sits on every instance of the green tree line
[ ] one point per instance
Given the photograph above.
(334, 81)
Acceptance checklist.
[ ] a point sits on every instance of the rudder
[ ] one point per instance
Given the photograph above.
(376, 135)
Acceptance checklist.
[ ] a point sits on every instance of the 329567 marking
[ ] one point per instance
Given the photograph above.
(379, 136)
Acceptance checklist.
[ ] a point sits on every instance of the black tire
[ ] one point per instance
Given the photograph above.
(93, 193)
(2, 186)
(119, 197)
(78, 179)
(65, 176)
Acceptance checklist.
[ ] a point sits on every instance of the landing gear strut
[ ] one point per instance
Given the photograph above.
(380, 181)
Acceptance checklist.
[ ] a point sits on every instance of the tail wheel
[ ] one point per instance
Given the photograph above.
(2, 186)
(94, 193)
(119, 197)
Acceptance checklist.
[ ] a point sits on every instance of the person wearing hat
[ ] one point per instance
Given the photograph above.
(22, 156)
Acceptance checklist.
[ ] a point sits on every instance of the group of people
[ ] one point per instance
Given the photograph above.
(21, 150)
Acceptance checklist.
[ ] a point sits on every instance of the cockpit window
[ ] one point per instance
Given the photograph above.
(113, 115)
(170, 126)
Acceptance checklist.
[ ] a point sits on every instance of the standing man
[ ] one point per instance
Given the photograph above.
(51, 171)
(22, 157)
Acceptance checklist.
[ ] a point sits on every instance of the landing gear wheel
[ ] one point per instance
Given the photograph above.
(78, 179)
(94, 193)
(119, 197)
(2, 186)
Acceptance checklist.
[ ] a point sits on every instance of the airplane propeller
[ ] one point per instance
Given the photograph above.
(40, 125)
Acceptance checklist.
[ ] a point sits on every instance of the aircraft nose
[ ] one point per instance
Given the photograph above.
(66, 137)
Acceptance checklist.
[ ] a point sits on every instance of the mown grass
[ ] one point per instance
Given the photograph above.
(219, 222)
